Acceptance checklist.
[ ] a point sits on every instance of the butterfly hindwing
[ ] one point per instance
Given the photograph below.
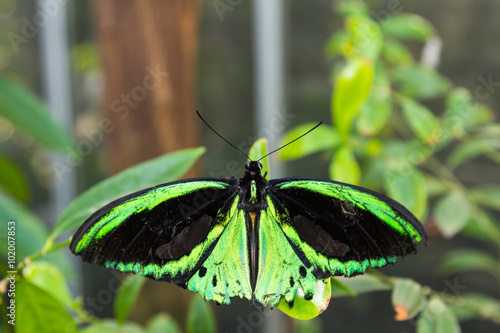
(280, 270)
(341, 229)
(167, 233)
(226, 272)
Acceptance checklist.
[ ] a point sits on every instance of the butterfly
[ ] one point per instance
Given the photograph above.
(254, 238)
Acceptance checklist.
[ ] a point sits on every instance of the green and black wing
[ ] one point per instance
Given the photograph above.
(189, 232)
(312, 229)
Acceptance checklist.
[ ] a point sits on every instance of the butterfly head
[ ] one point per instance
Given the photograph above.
(253, 168)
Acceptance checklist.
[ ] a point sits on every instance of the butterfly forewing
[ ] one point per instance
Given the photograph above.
(342, 229)
(165, 232)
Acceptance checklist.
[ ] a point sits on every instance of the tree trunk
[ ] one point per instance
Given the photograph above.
(148, 53)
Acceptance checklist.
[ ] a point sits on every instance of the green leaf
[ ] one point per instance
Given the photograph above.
(127, 296)
(409, 189)
(163, 169)
(420, 82)
(30, 233)
(322, 138)
(483, 226)
(303, 309)
(344, 167)
(351, 7)
(258, 150)
(352, 87)
(30, 230)
(111, 326)
(162, 323)
(482, 114)
(463, 260)
(486, 195)
(466, 151)
(421, 121)
(31, 116)
(39, 311)
(361, 284)
(397, 53)
(437, 318)
(200, 318)
(375, 112)
(452, 213)
(340, 289)
(365, 38)
(434, 186)
(408, 27)
(13, 180)
(49, 278)
(336, 43)
(459, 108)
(486, 307)
(408, 298)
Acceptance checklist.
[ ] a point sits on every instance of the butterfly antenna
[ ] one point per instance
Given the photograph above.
(220, 136)
(291, 141)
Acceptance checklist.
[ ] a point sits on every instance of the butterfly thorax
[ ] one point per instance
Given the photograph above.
(252, 188)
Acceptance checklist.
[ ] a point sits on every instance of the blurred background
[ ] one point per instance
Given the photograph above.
(124, 78)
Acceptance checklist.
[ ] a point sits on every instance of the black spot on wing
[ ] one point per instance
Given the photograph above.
(318, 238)
(302, 271)
(186, 240)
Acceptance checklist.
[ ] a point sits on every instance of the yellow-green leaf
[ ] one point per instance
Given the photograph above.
(462, 260)
(127, 296)
(352, 87)
(13, 180)
(162, 323)
(39, 311)
(409, 189)
(322, 138)
(421, 121)
(408, 26)
(420, 82)
(200, 318)
(49, 278)
(31, 116)
(397, 53)
(306, 310)
(345, 168)
(452, 213)
(375, 112)
(365, 38)
(437, 318)
(408, 298)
